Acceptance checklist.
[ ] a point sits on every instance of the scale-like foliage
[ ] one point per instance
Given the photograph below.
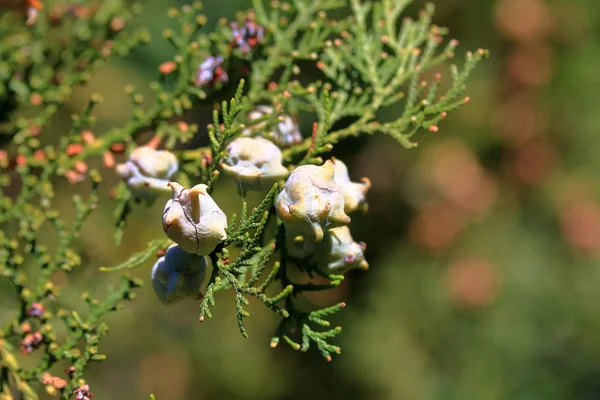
(363, 63)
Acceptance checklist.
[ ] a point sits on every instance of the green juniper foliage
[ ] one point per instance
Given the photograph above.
(374, 58)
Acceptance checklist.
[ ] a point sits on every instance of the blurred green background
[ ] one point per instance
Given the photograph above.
(484, 242)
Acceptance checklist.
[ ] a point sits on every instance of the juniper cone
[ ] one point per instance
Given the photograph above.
(311, 201)
(193, 220)
(254, 163)
(338, 253)
(178, 275)
(354, 193)
(148, 171)
(284, 133)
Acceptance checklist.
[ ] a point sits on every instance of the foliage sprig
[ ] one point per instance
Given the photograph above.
(339, 74)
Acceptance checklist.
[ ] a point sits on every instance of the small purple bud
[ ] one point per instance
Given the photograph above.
(247, 36)
(211, 72)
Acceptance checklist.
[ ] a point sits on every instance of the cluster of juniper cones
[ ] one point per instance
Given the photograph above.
(313, 204)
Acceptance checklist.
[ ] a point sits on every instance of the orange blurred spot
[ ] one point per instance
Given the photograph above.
(523, 20)
(81, 167)
(26, 327)
(81, 12)
(182, 126)
(167, 67)
(532, 64)
(436, 227)
(39, 155)
(34, 4)
(21, 160)
(108, 159)
(54, 381)
(117, 147)
(580, 223)
(154, 142)
(3, 158)
(455, 172)
(88, 137)
(117, 24)
(472, 282)
(519, 120)
(73, 176)
(36, 99)
(74, 149)
(34, 130)
(534, 161)
(106, 48)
